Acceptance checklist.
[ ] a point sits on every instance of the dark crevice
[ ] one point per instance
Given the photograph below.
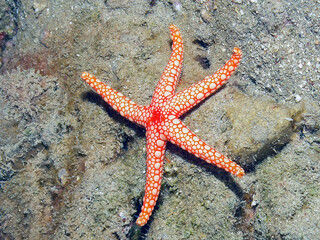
(262, 155)
(202, 43)
(253, 80)
(245, 214)
(137, 232)
(152, 3)
(203, 61)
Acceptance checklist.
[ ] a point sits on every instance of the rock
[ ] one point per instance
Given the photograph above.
(259, 127)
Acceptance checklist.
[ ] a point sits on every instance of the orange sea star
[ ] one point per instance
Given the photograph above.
(161, 118)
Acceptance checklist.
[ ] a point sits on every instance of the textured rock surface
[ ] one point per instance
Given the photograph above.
(72, 168)
(259, 127)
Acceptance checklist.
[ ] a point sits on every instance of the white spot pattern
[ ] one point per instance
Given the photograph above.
(161, 121)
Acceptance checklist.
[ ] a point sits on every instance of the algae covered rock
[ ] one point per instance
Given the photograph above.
(25, 128)
(259, 127)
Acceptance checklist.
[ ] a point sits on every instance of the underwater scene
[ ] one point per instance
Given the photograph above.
(160, 120)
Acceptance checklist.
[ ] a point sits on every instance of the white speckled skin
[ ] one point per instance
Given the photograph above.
(161, 118)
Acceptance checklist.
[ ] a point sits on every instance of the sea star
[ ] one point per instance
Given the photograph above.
(161, 118)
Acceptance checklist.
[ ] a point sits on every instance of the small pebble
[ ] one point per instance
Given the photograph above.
(297, 98)
(63, 176)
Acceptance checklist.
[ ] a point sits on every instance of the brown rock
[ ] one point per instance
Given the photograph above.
(260, 127)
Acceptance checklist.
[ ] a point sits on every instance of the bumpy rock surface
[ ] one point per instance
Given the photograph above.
(72, 168)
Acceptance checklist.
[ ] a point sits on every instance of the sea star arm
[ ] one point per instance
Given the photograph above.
(188, 98)
(171, 74)
(155, 155)
(178, 133)
(117, 101)
(161, 118)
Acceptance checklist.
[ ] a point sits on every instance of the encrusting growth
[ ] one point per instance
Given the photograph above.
(161, 118)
